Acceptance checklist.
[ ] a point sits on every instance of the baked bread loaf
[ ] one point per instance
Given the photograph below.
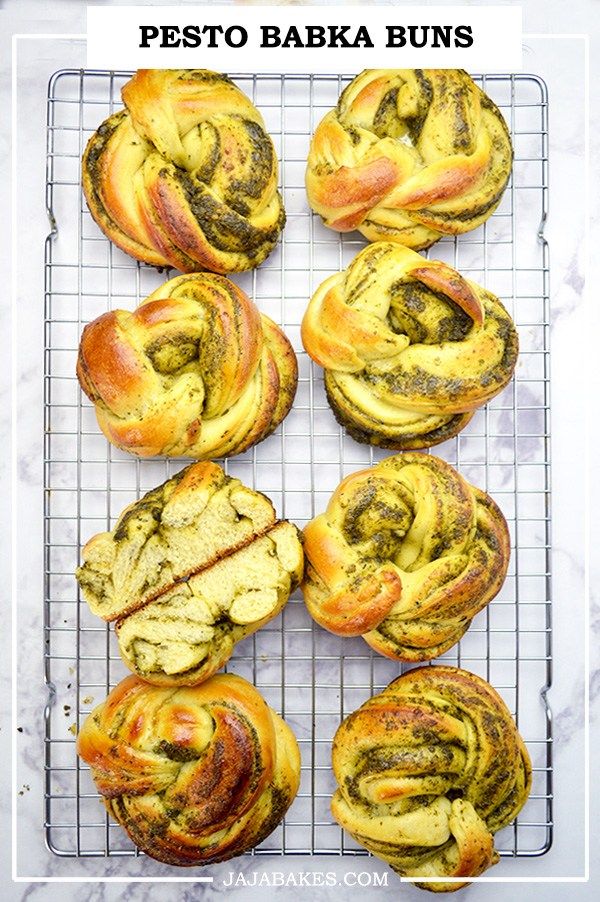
(410, 348)
(405, 555)
(428, 771)
(195, 371)
(188, 570)
(409, 155)
(186, 175)
(194, 776)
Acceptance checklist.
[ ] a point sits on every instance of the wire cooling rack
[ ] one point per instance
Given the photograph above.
(312, 678)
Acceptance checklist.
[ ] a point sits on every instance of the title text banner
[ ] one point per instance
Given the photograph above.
(304, 39)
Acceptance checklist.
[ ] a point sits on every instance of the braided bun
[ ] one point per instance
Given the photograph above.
(405, 555)
(410, 348)
(428, 771)
(195, 371)
(194, 776)
(409, 155)
(186, 175)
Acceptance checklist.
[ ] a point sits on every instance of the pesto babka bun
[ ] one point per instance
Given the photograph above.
(409, 155)
(405, 555)
(186, 175)
(189, 569)
(428, 771)
(195, 371)
(195, 775)
(410, 348)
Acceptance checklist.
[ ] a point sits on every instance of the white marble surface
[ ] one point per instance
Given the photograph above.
(560, 63)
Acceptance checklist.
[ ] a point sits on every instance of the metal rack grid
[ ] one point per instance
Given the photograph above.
(312, 678)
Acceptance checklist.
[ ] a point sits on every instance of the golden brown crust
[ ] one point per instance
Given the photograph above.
(194, 776)
(428, 771)
(409, 155)
(410, 348)
(186, 175)
(405, 555)
(196, 371)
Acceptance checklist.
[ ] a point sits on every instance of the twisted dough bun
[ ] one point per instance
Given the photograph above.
(428, 771)
(410, 348)
(405, 555)
(186, 175)
(190, 569)
(195, 371)
(409, 155)
(194, 776)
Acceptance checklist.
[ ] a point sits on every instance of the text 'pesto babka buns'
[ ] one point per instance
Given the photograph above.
(428, 771)
(409, 155)
(406, 553)
(186, 175)
(189, 632)
(195, 775)
(410, 348)
(195, 371)
(188, 524)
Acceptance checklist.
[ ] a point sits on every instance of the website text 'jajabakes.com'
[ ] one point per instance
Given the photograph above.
(304, 879)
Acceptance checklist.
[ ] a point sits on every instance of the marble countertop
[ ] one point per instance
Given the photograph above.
(561, 63)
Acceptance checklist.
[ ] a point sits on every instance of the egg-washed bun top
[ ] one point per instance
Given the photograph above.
(195, 775)
(186, 175)
(409, 346)
(405, 555)
(409, 155)
(195, 371)
(428, 771)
